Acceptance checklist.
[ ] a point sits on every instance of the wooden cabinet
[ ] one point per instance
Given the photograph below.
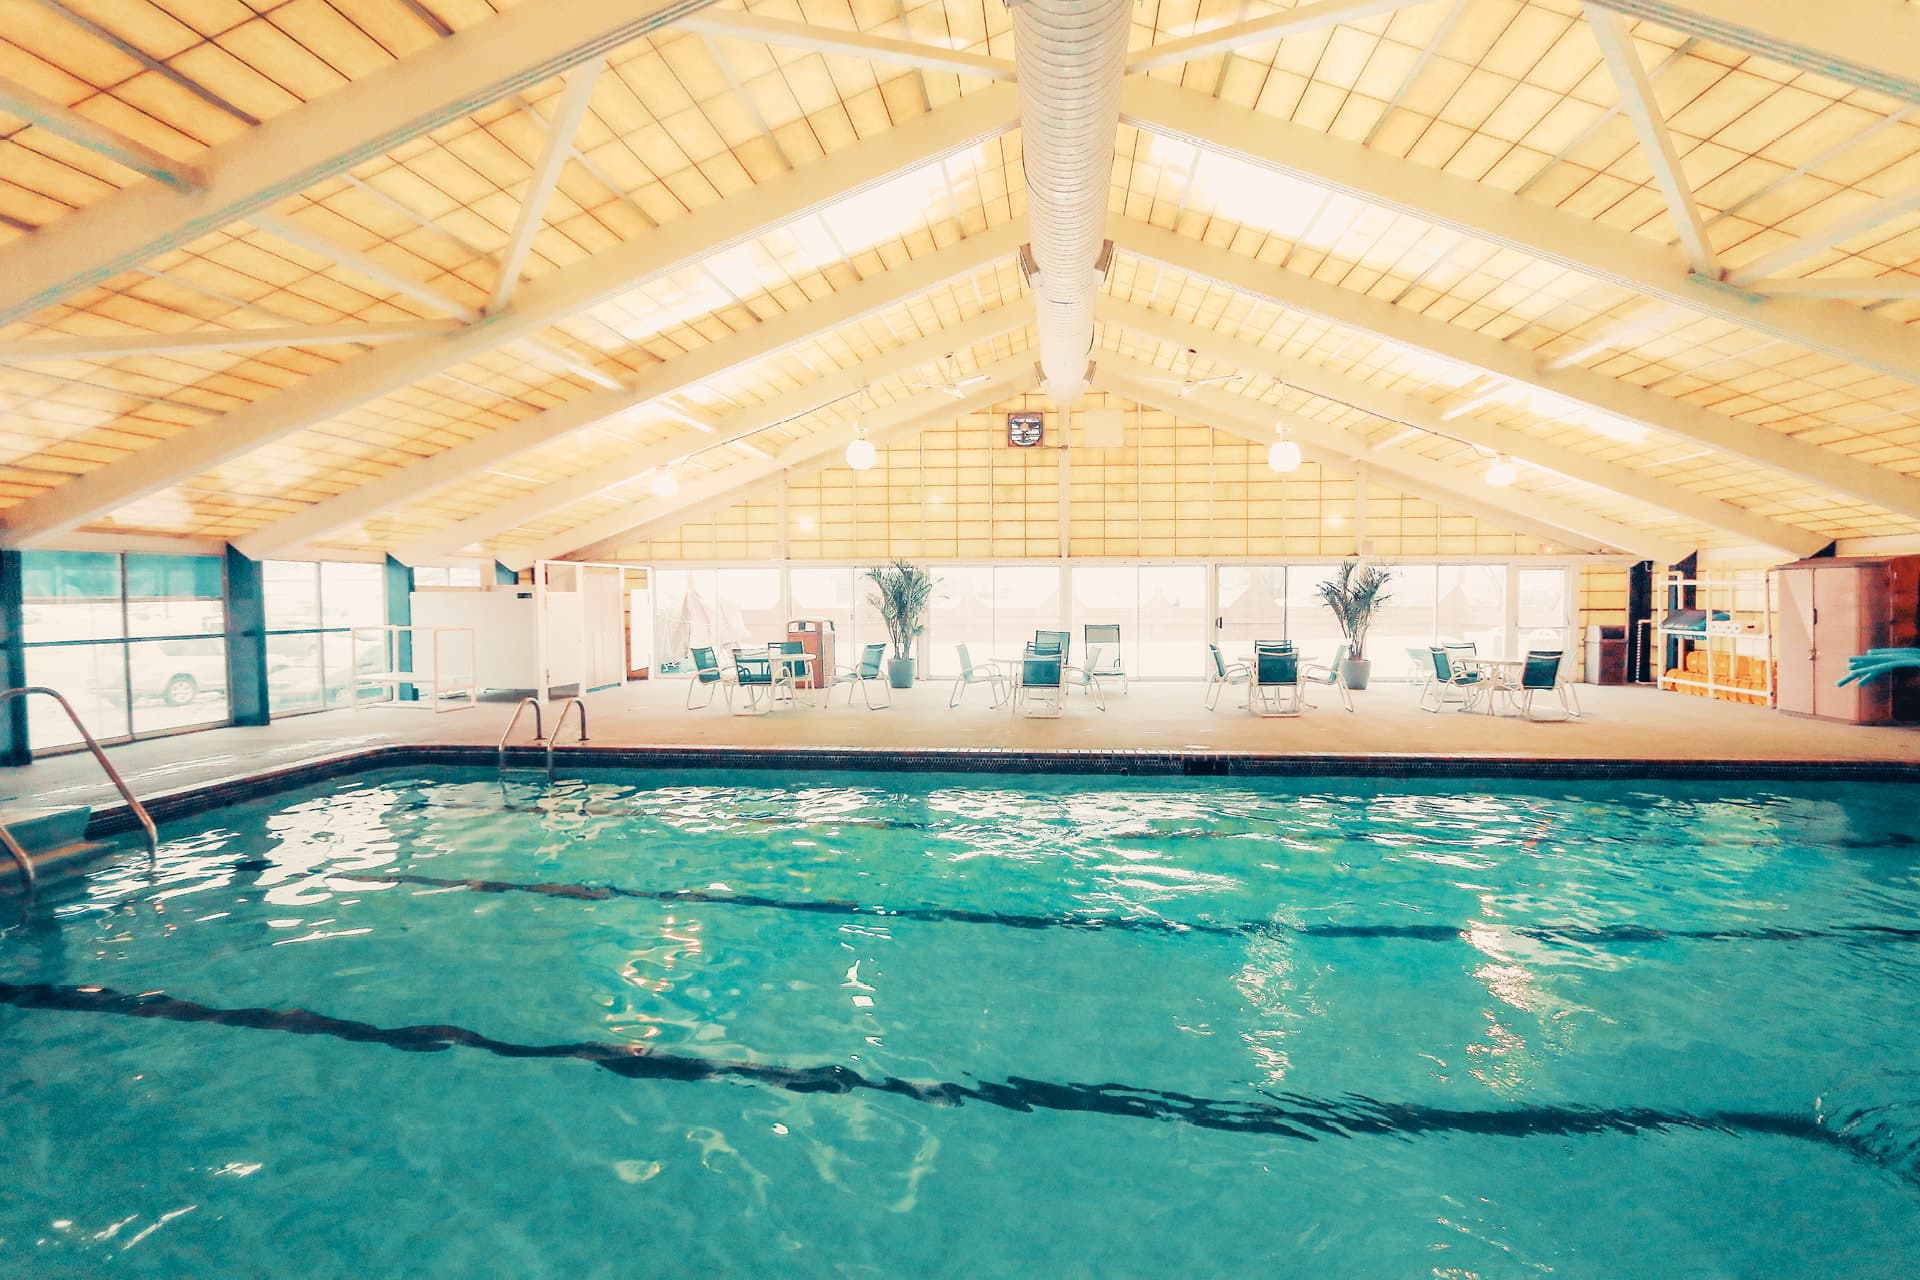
(1830, 610)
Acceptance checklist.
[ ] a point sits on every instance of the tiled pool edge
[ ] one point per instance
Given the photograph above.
(203, 798)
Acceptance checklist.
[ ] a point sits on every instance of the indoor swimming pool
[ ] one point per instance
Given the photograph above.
(428, 1022)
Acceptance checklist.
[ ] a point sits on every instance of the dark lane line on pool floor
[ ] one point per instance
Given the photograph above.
(1570, 934)
(1289, 1115)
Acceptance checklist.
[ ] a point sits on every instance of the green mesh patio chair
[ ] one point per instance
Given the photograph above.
(1452, 682)
(1275, 690)
(1333, 675)
(991, 674)
(708, 675)
(1111, 665)
(753, 677)
(867, 674)
(1541, 673)
(1042, 673)
(1222, 674)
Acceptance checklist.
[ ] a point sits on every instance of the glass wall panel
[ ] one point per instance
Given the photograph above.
(828, 593)
(684, 601)
(1108, 594)
(1026, 599)
(311, 610)
(78, 609)
(1405, 622)
(1541, 599)
(1310, 624)
(1472, 606)
(753, 607)
(962, 613)
(1173, 621)
(177, 683)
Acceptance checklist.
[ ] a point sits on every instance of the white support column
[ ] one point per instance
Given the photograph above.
(774, 203)
(329, 135)
(1656, 144)
(1808, 463)
(18, 100)
(554, 153)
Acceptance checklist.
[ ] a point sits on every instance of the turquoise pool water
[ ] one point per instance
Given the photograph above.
(425, 1023)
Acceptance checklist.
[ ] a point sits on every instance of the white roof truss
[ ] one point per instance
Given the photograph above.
(1290, 289)
(1568, 463)
(447, 80)
(1528, 226)
(775, 203)
(915, 413)
(1225, 411)
(667, 379)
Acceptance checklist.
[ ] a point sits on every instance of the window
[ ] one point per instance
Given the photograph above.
(433, 576)
(1160, 610)
(1541, 604)
(135, 642)
(1472, 606)
(311, 611)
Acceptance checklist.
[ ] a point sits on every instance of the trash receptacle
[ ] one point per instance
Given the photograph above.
(816, 637)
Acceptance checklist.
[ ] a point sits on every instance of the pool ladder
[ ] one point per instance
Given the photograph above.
(139, 810)
(539, 736)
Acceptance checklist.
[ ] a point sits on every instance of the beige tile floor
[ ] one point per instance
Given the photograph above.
(1630, 723)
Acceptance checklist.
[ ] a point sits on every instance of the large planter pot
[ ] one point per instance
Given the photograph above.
(1357, 670)
(900, 672)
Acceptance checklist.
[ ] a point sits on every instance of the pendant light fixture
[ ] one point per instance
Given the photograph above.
(1283, 455)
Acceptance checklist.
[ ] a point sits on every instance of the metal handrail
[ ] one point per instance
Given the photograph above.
(559, 723)
(539, 735)
(113, 776)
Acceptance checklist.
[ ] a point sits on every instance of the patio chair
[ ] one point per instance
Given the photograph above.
(708, 674)
(1333, 675)
(1276, 690)
(1060, 642)
(1110, 666)
(1542, 672)
(990, 674)
(1089, 678)
(784, 675)
(1221, 674)
(1041, 673)
(753, 676)
(1451, 677)
(866, 675)
(1420, 668)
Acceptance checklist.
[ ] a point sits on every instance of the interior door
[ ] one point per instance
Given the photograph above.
(1795, 648)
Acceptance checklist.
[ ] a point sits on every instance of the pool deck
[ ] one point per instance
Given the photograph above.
(1620, 724)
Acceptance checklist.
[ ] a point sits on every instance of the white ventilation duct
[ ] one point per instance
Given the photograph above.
(1070, 56)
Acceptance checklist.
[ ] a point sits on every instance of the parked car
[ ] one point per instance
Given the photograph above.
(175, 672)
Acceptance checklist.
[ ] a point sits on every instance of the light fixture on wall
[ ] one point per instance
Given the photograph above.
(1283, 455)
(1501, 472)
(665, 484)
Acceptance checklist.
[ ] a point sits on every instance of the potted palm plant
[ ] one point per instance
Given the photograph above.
(901, 592)
(1355, 595)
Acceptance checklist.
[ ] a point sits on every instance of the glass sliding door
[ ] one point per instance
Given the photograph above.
(1108, 594)
(1026, 599)
(1253, 605)
(1311, 626)
(1161, 611)
(1405, 622)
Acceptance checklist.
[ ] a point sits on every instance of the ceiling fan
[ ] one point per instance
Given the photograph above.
(1189, 383)
(951, 384)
